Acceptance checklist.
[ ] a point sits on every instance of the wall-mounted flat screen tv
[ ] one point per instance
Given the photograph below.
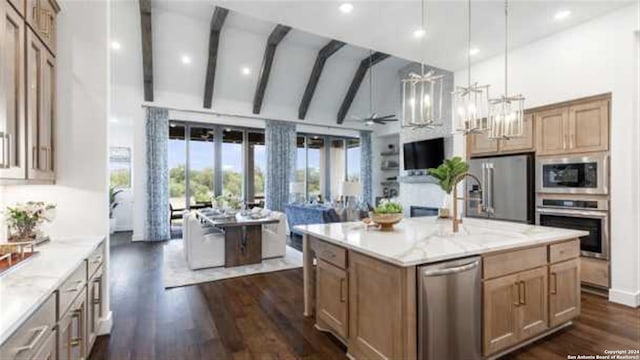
(421, 155)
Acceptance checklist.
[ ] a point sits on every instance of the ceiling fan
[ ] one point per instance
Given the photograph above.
(374, 118)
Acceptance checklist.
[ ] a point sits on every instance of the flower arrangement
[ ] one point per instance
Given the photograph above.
(23, 219)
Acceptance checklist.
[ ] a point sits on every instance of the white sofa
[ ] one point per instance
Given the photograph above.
(203, 245)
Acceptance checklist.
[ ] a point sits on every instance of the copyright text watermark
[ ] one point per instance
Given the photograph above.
(609, 355)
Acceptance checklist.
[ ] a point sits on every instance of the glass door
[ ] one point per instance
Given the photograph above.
(256, 167)
(232, 163)
(177, 157)
(201, 166)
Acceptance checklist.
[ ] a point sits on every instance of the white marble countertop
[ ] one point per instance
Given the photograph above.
(24, 288)
(423, 240)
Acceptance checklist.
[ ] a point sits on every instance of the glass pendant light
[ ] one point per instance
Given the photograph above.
(506, 113)
(422, 94)
(470, 103)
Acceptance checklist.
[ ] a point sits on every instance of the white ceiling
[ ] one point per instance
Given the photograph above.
(388, 25)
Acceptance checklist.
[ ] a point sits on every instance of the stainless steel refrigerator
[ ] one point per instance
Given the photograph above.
(507, 191)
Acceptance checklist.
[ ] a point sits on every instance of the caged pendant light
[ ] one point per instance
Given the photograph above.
(506, 113)
(422, 95)
(470, 103)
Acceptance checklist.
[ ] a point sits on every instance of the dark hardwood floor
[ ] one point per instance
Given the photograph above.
(260, 316)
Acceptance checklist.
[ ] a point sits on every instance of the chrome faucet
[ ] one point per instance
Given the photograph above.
(458, 179)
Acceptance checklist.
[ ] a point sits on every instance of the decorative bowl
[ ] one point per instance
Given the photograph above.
(385, 221)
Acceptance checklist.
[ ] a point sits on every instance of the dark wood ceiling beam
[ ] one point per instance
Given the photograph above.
(331, 48)
(278, 33)
(365, 64)
(147, 49)
(217, 20)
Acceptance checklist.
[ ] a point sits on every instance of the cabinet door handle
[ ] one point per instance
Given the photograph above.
(40, 331)
(97, 260)
(554, 281)
(343, 298)
(77, 288)
(522, 295)
(34, 157)
(10, 154)
(78, 316)
(3, 163)
(516, 289)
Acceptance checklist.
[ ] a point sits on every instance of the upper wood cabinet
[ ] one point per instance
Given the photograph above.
(12, 112)
(579, 128)
(480, 144)
(332, 305)
(41, 17)
(40, 109)
(564, 291)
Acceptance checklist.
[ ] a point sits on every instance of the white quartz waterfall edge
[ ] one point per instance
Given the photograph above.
(175, 271)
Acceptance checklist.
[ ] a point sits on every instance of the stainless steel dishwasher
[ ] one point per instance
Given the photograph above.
(449, 310)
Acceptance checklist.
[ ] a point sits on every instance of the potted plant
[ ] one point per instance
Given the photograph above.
(23, 219)
(112, 205)
(387, 214)
(446, 174)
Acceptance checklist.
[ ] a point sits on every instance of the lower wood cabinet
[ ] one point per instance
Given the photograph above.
(332, 305)
(564, 291)
(72, 330)
(382, 309)
(533, 305)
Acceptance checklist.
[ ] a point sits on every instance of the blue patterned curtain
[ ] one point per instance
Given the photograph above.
(365, 166)
(157, 131)
(281, 156)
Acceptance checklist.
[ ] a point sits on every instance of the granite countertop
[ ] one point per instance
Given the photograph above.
(24, 288)
(423, 240)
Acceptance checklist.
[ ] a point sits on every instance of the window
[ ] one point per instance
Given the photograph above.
(257, 171)
(120, 167)
(201, 165)
(177, 166)
(316, 155)
(232, 163)
(353, 159)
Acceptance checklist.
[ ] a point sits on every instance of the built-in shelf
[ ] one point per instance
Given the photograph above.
(417, 179)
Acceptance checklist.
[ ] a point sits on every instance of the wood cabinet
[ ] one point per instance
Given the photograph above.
(382, 309)
(576, 128)
(41, 17)
(27, 90)
(500, 302)
(49, 350)
(594, 272)
(72, 330)
(40, 109)
(564, 291)
(332, 303)
(94, 303)
(480, 144)
(12, 112)
(532, 308)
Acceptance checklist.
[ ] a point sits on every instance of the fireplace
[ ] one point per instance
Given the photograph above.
(417, 211)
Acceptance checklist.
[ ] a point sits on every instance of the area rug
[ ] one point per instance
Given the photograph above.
(175, 271)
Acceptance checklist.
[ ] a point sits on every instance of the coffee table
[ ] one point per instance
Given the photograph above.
(242, 237)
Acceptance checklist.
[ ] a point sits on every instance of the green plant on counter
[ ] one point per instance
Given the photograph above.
(448, 171)
(388, 208)
(24, 219)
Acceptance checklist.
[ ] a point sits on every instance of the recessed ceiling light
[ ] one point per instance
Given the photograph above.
(474, 51)
(186, 59)
(562, 14)
(246, 71)
(346, 8)
(419, 33)
(115, 45)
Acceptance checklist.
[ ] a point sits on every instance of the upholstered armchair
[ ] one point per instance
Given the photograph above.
(274, 236)
(203, 244)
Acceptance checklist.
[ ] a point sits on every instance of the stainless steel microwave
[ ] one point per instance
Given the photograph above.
(573, 175)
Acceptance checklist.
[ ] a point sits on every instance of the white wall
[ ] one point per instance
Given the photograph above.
(597, 57)
(121, 134)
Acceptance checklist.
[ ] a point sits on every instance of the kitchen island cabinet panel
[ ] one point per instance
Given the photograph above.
(499, 309)
(532, 308)
(332, 306)
(564, 292)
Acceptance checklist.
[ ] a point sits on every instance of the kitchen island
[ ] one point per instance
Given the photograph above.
(361, 284)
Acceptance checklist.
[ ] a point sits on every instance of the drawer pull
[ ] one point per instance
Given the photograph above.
(36, 339)
(75, 342)
(515, 286)
(328, 254)
(343, 298)
(523, 300)
(554, 287)
(77, 288)
(97, 260)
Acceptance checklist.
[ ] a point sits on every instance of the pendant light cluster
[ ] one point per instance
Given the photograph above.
(422, 93)
(474, 112)
(506, 113)
(470, 103)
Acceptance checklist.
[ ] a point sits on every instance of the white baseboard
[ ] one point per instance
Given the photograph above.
(105, 324)
(624, 297)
